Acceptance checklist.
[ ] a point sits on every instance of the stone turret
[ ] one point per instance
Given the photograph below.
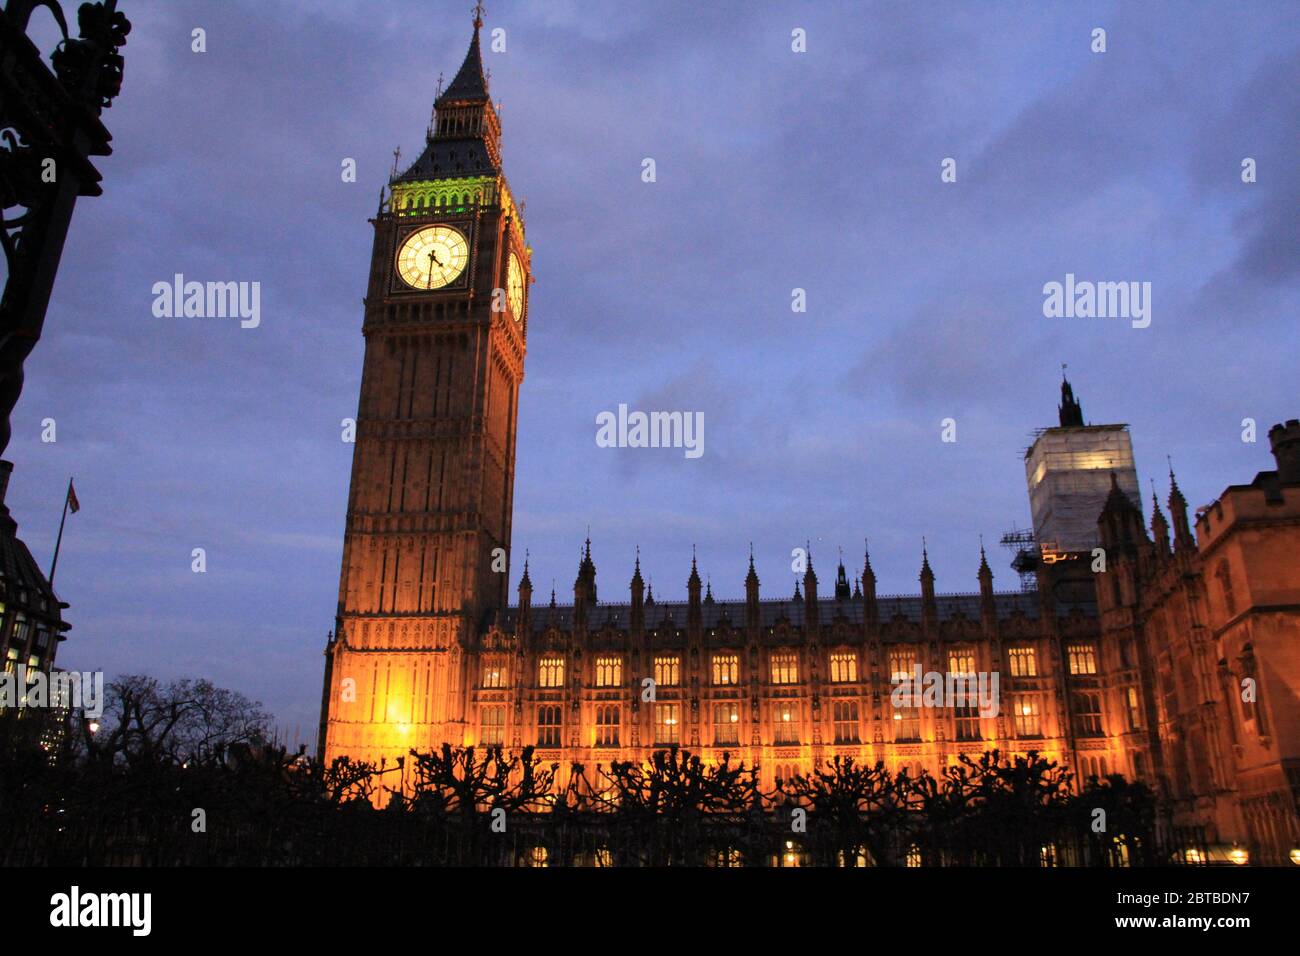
(1284, 440)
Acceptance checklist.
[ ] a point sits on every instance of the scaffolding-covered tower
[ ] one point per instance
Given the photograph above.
(1068, 471)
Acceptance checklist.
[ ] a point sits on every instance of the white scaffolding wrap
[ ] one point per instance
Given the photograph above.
(1068, 471)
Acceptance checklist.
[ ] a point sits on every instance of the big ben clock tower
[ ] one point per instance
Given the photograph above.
(428, 518)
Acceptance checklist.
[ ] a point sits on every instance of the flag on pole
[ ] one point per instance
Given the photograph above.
(70, 502)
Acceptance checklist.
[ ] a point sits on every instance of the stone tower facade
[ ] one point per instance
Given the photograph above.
(429, 509)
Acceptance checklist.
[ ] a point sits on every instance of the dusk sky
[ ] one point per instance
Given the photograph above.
(776, 170)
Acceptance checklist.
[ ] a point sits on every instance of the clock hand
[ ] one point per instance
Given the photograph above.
(433, 257)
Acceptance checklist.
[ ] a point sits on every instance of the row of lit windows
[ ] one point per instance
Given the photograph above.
(1022, 661)
(1025, 711)
(784, 667)
(726, 729)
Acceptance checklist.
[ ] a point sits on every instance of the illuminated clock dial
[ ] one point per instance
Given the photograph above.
(515, 287)
(432, 257)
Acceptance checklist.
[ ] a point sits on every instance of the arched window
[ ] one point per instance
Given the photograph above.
(607, 721)
(548, 725)
(550, 672)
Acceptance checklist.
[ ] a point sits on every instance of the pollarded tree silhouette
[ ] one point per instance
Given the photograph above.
(1020, 809)
(677, 809)
(469, 795)
(455, 780)
(851, 807)
(939, 811)
(1124, 834)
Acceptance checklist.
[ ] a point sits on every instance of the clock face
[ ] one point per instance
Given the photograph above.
(515, 287)
(432, 257)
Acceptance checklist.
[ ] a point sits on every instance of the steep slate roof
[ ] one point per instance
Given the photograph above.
(450, 158)
(469, 82)
(457, 156)
(852, 610)
(19, 570)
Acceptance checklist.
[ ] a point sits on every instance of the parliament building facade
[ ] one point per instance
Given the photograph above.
(1174, 661)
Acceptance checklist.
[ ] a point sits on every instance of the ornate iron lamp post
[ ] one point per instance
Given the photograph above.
(49, 129)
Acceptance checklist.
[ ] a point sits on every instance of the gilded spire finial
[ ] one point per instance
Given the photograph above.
(478, 15)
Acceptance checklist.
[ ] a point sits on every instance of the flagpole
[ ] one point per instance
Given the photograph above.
(59, 542)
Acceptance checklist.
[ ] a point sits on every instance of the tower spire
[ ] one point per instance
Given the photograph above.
(929, 609)
(469, 83)
(870, 614)
(693, 613)
(988, 604)
(636, 619)
(1070, 410)
(1159, 526)
(1183, 540)
(751, 592)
